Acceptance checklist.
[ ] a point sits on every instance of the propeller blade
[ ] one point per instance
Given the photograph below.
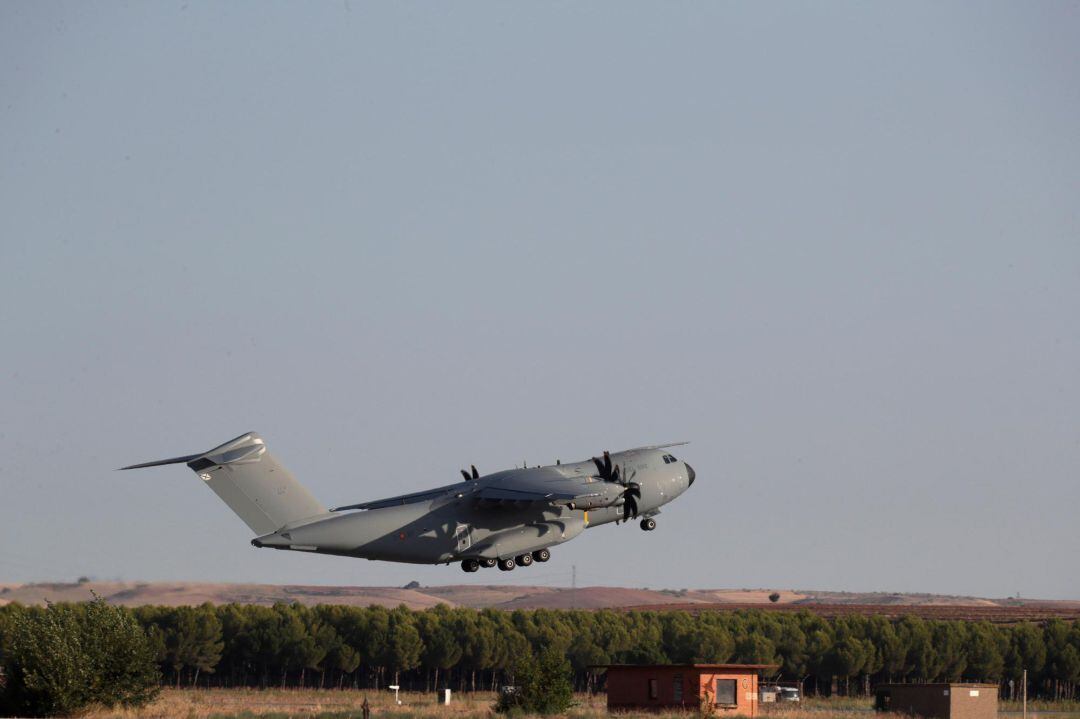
(475, 474)
(599, 467)
(629, 509)
(607, 464)
(465, 475)
(615, 475)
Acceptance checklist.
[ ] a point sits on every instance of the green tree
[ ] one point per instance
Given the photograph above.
(952, 650)
(187, 638)
(849, 656)
(985, 653)
(119, 655)
(44, 668)
(404, 647)
(442, 649)
(1026, 650)
(66, 657)
(542, 686)
(791, 648)
(755, 648)
(342, 658)
(890, 648)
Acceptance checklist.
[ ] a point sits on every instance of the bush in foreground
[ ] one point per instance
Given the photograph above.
(64, 658)
(542, 686)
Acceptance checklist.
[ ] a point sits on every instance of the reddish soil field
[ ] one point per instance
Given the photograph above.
(997, 614)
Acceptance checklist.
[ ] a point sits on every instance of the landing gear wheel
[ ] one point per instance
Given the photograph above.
(487, 563)
(524, 560)
(470, 565)
(541, 555)
(507, 564)
(648, 524)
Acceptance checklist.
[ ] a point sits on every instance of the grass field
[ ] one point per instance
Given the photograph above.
(330, 704)
(301, 704)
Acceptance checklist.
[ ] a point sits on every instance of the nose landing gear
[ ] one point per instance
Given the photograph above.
(648, 524)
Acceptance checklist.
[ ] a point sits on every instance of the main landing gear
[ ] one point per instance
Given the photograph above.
(648, 524)
(507, 564)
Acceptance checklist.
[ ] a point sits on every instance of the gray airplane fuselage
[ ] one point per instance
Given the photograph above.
(452, 524)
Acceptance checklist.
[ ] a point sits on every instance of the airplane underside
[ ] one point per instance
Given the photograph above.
(506, 519)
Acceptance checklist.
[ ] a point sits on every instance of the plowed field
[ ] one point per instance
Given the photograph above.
(997, 614)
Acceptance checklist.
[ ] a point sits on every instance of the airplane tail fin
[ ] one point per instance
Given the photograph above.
(252, 482)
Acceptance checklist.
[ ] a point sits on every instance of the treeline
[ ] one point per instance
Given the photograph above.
(465, 649)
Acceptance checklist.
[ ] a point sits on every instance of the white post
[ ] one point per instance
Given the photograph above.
(1025, 694)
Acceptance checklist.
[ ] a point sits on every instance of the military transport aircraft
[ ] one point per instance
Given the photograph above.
(506, 519)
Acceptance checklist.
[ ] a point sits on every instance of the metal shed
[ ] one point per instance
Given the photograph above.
(951, 700)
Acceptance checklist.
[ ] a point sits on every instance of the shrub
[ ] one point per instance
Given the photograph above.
(65, 657)
(542, 686)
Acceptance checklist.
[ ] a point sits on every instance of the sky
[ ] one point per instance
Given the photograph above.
(834, 246)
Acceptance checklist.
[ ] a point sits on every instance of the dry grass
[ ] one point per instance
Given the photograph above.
(333, 704)
(302, 704)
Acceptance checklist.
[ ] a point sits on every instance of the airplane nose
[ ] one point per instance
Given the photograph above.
(690, 471)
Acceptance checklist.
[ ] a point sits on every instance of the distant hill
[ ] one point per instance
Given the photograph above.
(524, 597)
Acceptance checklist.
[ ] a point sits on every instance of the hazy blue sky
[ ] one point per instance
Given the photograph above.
(835, 246)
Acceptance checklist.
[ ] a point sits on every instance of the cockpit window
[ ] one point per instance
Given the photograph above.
(668, 459)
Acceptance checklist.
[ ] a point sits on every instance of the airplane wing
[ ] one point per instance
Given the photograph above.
(545, 485)
(505, 494)
(655, 446)
(424, 496)
(509, 488)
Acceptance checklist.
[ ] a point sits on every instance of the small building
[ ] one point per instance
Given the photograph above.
(727, 688)
(950, 700)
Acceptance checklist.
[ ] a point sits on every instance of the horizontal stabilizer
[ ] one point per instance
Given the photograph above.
(160, 462)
